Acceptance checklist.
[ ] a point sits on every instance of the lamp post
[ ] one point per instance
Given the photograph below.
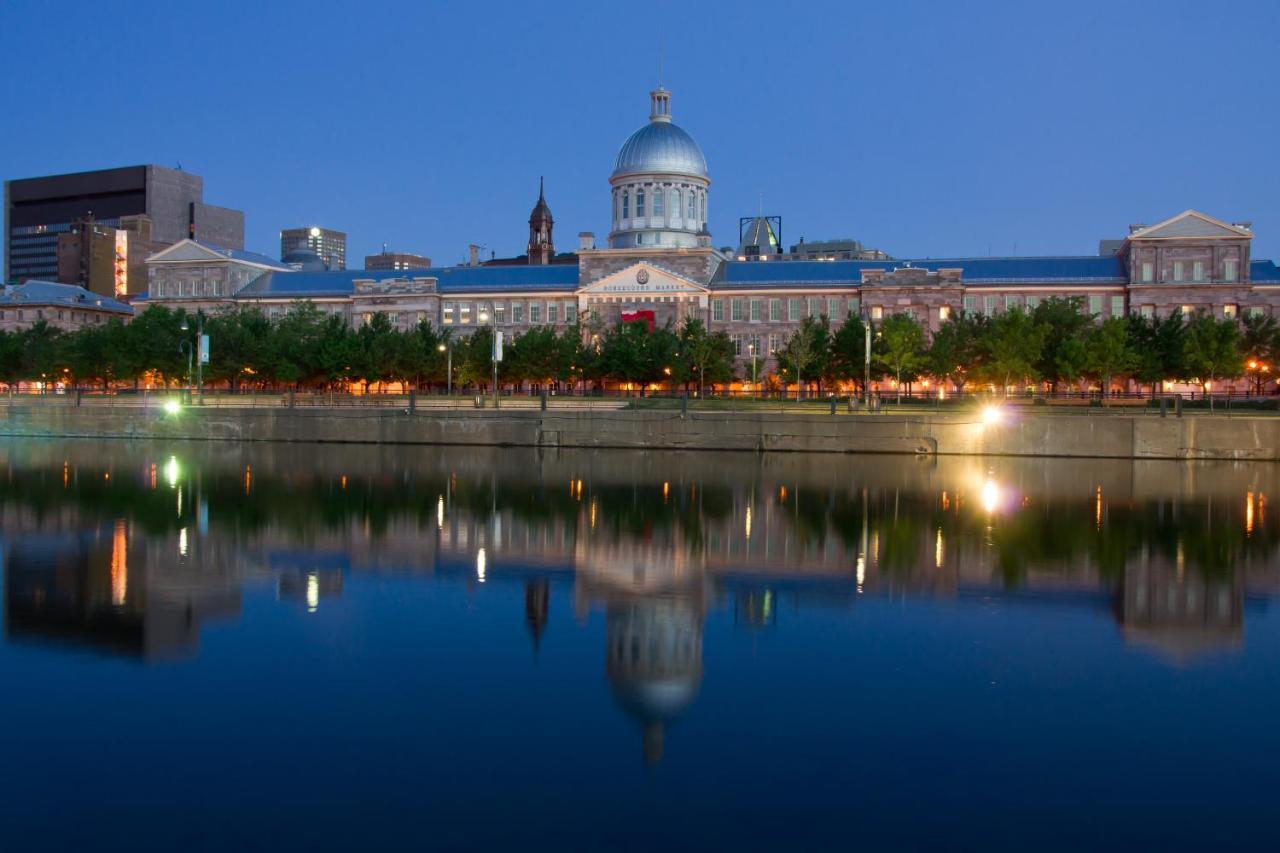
(191, 349)
(448, 375)
(184, 345)
(866, 374)
(752, 348)
(494, 354)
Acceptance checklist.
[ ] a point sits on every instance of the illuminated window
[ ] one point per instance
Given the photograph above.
(877, 312)
(1230, 311)
(464, 313)
(944, 313)
(447, 316)
(1186, 310)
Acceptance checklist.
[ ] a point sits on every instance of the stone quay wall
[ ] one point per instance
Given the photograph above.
(1145, 436)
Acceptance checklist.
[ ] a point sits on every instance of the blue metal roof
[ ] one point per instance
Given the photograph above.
(1090, 269)
(339, 283)
(39, 293)
(1264, 272)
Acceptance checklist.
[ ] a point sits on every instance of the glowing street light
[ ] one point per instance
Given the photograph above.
(992, 415)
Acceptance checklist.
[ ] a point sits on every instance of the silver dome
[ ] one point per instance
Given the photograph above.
(662, 147)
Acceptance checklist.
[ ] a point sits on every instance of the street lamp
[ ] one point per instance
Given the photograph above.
(190, 349)
(485, 317)
(448, 370)
(752, 348)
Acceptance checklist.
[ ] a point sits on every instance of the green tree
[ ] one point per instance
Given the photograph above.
(1158, 345)
(799, 354)
(956, 353)
(904, 348)
(1213, 350)
(1064, 327)
(846, 353)
(1011, 345)
(1107, 352)
(41, 352)
(702, 356)
(1259, 343)
(239, 345)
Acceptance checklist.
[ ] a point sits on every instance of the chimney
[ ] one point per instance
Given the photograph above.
(474, 255)
(586, 241)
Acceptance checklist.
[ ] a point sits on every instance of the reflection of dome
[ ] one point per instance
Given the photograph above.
(304, 260)
(660, 146)
(654, 662)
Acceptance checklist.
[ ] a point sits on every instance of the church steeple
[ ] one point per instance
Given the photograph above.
(541, 246)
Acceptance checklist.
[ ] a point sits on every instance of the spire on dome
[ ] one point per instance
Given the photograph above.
(541, 246)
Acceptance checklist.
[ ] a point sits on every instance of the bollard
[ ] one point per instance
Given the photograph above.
(413, 400)
(1164, 406)
(542, 401)
(684, 404)
(849, 401)
(1177, 406)
(79, 393)
(833, 405)
(291, 398)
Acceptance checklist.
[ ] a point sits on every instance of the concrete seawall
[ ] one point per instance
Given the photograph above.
(1024, 434)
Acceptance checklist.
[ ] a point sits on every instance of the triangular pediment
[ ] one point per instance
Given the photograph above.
(644, 278)
(187, 250)
(1190, 224)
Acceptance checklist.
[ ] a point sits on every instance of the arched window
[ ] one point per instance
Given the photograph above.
(639, 203)
(626, 206)
(659, 209)
(704, 207)
(693, 205)
(676, 203)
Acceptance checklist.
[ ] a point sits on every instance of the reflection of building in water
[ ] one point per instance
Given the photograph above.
(91, 588)
(309, 586)
(1180, 614)
(537, 603)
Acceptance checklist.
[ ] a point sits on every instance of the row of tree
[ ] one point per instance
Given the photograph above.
(1056, 344)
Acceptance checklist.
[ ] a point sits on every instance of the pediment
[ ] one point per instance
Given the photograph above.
(1190, 224)
(647, 279)
(187, 250)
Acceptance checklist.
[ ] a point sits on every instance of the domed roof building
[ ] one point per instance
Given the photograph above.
(659, 185)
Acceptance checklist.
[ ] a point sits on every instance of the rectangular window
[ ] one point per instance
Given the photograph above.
(815, 307)
(735, 310)
(717, 310)
(753, 346)
(855, 306)
(1117, 306)
(757, 310)
(1230, 311)
(447, 318)
(737, 345)
(1177, 270)
(1197, 271)
(693, 206)
(464, 313)
(1032, 302)
(775, 310)
(1187, 310)
(659, 196)
(553, 312)
(535, 312)
(1254, 311)
(571, 312)
(1229, 270)
(944, 313)
(517, 312)
(1147, 310)
(773, 343)
(1148, 272)
(833, 308)
(793, 309)
(989, 305)
(639, 204)
(877, 313)
(1095, 304)
(1011, 301)
(500, 313)
(970, 304)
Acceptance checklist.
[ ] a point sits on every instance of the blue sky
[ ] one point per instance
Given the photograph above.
(923, 128)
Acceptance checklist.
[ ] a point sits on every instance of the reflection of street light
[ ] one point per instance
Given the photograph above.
(448, 370)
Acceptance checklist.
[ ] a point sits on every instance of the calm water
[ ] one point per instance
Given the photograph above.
(216, 646)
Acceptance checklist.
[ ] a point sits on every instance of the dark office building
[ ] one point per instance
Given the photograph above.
(38, 210)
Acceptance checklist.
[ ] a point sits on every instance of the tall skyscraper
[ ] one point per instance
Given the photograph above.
(38, 210)
(330, 245)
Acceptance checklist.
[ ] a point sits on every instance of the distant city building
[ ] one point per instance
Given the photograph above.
(330, 245)
(38, 210)
(396, 261)
(63, 306)
(759, 238)
(107, 260)
(835, 250)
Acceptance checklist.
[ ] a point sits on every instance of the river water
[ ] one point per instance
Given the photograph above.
(221, 646)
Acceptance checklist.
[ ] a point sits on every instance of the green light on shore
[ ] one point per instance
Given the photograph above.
(172, 407)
